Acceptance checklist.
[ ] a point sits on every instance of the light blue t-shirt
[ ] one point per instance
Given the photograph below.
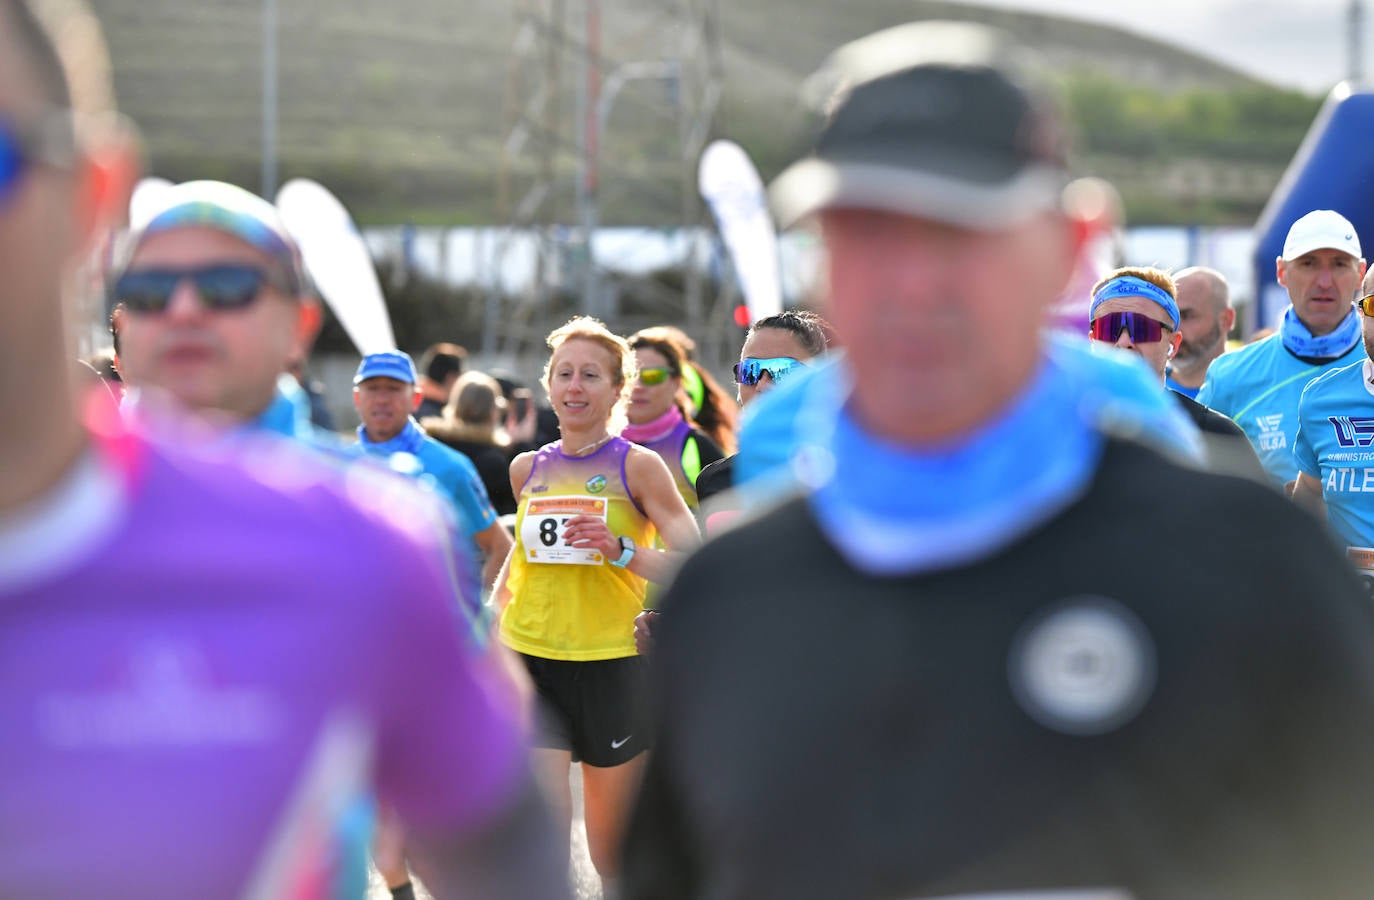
(1335, 445)
(894, 509)
(288, 415)
(1258, 387)
(446, 470)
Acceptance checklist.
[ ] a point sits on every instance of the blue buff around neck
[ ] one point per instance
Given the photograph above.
(896, 509)
(1301, 342)
(408, 441)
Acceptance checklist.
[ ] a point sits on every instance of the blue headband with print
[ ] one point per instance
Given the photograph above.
(1131, 286)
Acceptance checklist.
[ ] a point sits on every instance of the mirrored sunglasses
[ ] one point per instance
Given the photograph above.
(1141, 328)
(749, 370)
(654, 376)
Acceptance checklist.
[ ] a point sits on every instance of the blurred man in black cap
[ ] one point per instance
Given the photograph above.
(971, 660)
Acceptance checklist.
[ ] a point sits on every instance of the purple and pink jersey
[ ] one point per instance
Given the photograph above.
(206, 674)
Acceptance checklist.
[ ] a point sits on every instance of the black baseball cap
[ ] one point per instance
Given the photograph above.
(950, 121)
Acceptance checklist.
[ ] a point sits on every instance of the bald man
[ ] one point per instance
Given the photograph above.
(1205, 318)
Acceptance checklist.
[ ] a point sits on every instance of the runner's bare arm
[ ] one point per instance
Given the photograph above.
(1307, 493)
(652, 487)
(520, 468)
(495, 543)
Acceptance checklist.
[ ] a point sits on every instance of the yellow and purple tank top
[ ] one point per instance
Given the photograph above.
(568, 603)
(683, 459)
(678, 444)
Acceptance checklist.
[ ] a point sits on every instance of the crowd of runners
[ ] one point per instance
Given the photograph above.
(982, 609)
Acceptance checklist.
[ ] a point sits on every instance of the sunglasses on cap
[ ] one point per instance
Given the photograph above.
(221, 287)
(654, 376)
(1141, 328)
(49, 143)
(1366, 304)
(749, 370)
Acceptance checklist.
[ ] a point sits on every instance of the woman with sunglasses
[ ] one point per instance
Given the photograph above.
(774, 348)
(589, 509)
(658, 415)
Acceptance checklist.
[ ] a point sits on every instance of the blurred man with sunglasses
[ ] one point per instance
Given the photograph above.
(214, 307)
(1136, 309)
(978, 656)
(1334, 446)
(208, 676)
(1258, 386)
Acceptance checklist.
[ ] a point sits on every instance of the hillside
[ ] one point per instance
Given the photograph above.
(400, 107)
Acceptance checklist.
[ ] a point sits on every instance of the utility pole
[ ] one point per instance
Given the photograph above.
(269, 99)
(1355, 31)
(575, 53)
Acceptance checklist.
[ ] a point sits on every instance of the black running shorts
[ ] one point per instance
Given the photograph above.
(595, 709)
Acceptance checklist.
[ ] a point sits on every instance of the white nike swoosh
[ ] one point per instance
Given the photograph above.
(616, 745)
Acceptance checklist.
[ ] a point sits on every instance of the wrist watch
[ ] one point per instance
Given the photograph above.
(627, 552)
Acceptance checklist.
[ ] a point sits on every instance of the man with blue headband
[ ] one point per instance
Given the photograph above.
(1136, 309)
(1258, 386)
(998, 646)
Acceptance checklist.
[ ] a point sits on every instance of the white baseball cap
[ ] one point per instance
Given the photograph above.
(1321, 229)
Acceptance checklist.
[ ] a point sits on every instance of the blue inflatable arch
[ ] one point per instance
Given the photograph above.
(1333, 169)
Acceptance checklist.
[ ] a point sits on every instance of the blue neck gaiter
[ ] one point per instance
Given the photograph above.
(408, 441)
(895, 510)
(1300, 342)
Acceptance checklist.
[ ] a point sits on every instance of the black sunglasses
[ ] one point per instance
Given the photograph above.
(221, 287)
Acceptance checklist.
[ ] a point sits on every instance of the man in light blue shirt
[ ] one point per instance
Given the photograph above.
(1333, 449)
(1258, 386)
(385, 392)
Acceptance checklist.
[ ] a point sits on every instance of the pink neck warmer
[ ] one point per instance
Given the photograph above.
(652, 431)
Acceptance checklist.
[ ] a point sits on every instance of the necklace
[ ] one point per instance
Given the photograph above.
(590, 447)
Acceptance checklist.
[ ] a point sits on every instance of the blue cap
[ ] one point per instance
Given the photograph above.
(391, 364)
(1131, 286)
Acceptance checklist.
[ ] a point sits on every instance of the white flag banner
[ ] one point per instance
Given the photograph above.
(733, 190)
(338, 261)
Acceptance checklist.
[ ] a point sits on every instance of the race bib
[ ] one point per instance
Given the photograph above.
(542, 530)
(1362, 558)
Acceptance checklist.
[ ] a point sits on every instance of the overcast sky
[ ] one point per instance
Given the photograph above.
(1293, 43)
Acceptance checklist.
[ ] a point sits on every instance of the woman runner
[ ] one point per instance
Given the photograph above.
(590, 507)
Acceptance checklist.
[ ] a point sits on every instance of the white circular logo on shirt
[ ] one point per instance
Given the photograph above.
(1085, 667)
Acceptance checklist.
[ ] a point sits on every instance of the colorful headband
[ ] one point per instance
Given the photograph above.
(1131, 286)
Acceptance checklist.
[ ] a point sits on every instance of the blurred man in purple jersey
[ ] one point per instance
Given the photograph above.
(212, 660)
